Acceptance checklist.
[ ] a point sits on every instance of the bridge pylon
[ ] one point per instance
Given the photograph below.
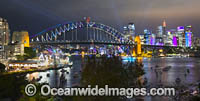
(137, 50)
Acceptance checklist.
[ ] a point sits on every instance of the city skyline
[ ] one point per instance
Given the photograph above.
(37, 16)
(70, 49)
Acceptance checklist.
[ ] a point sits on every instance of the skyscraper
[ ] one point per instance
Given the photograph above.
(159, 36)
(188, 36)
(131, 28)
(181, 35)
(147, 34)
(4, 37)
(21, 38)
(164, 27)
(4, 32)
(169, 40)
(129, 31)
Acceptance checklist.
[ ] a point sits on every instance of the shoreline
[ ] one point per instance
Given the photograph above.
(31, 71)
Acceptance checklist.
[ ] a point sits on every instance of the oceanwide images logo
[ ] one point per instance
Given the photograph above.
(30, 90)
(46, 90)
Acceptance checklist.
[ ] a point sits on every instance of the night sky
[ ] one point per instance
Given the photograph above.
(37, 15)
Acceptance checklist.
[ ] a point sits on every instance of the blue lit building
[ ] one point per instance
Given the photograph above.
(129, 30)
(147, 36)
(188, 36)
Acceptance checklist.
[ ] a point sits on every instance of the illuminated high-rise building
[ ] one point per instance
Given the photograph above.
(169, 39)
(147, 34)
(174, 41)
(129, 31)
(4, 38)
(181, 35)
(188, 36)
(126, 33)
(159, 36)
(4, 32)
(131, 28)
(159, 31)
(164, 28)
(21, 38)
(196, 42)
(152, 39)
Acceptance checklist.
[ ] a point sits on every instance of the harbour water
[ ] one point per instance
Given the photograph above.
(179, 68)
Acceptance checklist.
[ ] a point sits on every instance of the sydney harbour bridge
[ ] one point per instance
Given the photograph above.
(80, 33)
(87, 32)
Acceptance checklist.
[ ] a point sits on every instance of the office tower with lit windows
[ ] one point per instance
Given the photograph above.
(196, 41)
(21, 40)
(164, 28)
(152, 39)
(169, 38)
(159, 36)
(131, 28)
(164, 33)
(4, 37)
(21, 37)
(188, 36)
(159, 31)
(4, 32)
(125, 31)
(181, 35)
(129, 31)
(147, 34)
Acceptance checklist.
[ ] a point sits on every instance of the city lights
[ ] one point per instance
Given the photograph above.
(48, 46)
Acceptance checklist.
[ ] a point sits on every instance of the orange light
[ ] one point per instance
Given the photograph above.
(139, 47)
(161, 50)
(164, 23)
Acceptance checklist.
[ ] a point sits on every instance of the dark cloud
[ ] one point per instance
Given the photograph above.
(36, 15)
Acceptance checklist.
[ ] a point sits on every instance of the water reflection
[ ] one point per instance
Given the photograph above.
(59, 78)
(178, 69)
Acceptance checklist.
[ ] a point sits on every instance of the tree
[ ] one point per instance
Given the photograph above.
(10, 86)
(2, 67)
(30, 53)
(109, 71)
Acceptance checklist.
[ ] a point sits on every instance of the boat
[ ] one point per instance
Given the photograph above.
(70, 63)
(62, 71)
(75, 75)
(167, 68)
(48, 75)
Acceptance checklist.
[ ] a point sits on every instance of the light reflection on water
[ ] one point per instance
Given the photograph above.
(54, 78)
(178, 69)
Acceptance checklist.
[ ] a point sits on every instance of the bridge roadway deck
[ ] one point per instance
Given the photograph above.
(100, 43)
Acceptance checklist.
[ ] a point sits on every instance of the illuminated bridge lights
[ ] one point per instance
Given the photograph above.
(61, 31)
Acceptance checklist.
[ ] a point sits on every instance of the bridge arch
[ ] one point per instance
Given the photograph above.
(80, 31)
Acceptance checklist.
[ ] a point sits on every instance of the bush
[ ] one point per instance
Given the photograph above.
(110, 71)
(2, 67)
(30, 53)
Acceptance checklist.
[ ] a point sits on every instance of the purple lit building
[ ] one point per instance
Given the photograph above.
(174, 41)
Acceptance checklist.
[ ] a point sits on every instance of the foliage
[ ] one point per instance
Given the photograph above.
(110, 71)
(37, 96)
(10, 86)
(195, 98)
(22, 57)
(2, 67)
(30, 53)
